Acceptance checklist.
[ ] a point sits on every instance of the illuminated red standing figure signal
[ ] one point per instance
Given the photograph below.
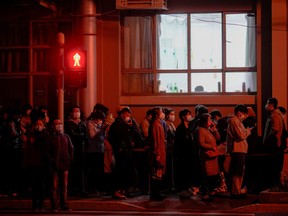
(76, 59)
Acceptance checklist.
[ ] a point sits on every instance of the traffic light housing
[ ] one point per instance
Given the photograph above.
(76, 68)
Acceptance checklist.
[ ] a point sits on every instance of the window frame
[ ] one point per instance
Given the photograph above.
(154, 71)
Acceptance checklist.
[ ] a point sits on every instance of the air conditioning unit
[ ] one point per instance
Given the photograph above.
(141, 4)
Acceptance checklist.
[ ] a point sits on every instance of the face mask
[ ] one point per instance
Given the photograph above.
(162, 116)
(59, 128)
(127, 119)
(39, 128)
(172, 118)
(99, 124)
(76, 115)
(242, 117)
(46, 119)
(189, 118)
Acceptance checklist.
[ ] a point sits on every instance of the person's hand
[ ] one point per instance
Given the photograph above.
(213, 128)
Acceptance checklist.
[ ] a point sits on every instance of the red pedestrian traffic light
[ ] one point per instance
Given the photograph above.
(76, 68)
(76, 59)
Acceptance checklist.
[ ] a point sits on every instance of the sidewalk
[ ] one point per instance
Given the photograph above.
(172, 203)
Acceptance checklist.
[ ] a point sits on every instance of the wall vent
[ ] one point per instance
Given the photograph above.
(141, 4)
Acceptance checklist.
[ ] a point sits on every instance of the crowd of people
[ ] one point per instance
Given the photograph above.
(206, 154)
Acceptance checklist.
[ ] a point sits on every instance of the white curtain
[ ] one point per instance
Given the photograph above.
(172, 41)
(250, 60)
(137, 42)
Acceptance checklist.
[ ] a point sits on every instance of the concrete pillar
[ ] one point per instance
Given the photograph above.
(86, 32)
(280, 57)
(279, 51)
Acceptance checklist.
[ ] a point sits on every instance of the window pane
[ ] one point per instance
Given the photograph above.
(137, 83)
(206, 41)
(241, 82)
(241, 40)
(138, 42)
(172, 41)
(206, 82)
(172, 82)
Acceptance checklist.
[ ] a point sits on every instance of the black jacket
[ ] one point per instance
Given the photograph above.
(60, 151)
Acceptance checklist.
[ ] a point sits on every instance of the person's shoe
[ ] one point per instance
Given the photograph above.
(244, 190)
(119, 195)
(222, 189)
(156, 197)
(194, 190)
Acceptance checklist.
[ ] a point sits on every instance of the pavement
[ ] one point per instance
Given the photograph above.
(221, 203)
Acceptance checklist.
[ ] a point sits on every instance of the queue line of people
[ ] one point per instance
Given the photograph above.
(152, 156)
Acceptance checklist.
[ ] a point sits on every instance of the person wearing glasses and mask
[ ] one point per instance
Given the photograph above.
(158, 153)
(60, 151)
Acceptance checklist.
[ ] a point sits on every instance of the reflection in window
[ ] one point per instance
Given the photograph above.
(137, 83)
(206, 82)
(241, 82)
(137, 42)
(172, 83)
(172, 41)
(206, 37)
(240, 40)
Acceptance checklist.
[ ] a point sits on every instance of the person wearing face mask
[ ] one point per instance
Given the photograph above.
(158, 153)
(75, 127)
(273, 143)
(37, 163)
(124, 134)
(237, 147)
(95, 152)
(184, 161)
(206, 138)
(60, 153)
(171, 130)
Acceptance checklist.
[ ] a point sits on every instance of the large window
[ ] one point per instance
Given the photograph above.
(189, 54)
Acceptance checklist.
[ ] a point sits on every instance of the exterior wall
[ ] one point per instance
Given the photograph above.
(109, 69)
(108, 62)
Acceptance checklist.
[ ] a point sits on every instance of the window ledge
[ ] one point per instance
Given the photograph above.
(188, 100)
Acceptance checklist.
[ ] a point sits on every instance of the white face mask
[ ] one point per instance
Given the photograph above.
(162, 116)
(59, 128)
(189, 118)
(242, 117)
(39, 128)
(99, 123)
(127, 119)
(172, 118)
(76, 115)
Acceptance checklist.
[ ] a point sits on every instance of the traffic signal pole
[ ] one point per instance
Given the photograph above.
(60, 76)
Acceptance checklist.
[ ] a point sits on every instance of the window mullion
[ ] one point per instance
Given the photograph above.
(189, 53)
(224, 60)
